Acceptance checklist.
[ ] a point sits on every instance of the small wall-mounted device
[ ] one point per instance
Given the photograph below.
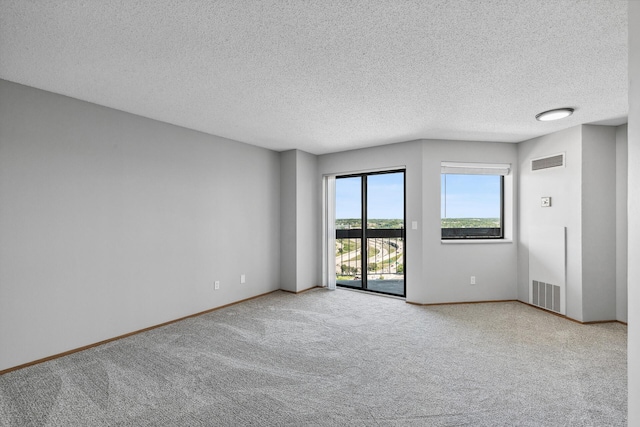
(545, 202)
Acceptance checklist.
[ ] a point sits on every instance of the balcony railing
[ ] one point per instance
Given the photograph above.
(472, 233)
(385, 254)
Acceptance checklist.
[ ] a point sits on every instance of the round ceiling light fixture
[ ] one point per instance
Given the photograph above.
(557, 114)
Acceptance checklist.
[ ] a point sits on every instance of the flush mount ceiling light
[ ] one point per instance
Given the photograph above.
(559, 113)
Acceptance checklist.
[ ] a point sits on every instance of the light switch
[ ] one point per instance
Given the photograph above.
(414, 225)
(546, 202)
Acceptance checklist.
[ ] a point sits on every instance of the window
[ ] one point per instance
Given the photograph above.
(472, 200)
(369, 232)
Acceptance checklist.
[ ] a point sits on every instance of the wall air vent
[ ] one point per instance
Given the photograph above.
(547, 268)
(545, 295)
(547, 162)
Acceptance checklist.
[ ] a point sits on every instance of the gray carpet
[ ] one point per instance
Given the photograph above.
(337, 358)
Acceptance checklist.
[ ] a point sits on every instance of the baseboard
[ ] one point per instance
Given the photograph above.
(525, 303)
(87, 347)
(595, 322)
(460, 302)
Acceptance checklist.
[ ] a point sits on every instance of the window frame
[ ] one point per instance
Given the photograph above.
(483, 232)
(365, 232)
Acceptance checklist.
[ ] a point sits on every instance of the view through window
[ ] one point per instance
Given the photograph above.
(370, 232)
(471, 206)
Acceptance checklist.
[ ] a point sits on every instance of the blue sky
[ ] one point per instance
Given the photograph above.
(385, 198)
(467, 196)
(470, 196)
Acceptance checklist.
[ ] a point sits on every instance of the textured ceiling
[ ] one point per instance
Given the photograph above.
(328, 75)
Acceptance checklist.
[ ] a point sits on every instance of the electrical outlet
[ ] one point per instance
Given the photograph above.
(243, 278)
(473, 280)
(216, 285)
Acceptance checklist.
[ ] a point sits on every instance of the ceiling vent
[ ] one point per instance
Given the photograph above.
(554, 161)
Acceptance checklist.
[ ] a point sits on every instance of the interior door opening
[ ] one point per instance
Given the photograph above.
(370, 232)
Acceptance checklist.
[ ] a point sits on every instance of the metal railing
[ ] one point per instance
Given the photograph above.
(385, 254)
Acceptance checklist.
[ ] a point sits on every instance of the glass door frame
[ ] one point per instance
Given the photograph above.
(365, 233)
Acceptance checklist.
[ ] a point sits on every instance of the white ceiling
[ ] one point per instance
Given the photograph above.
(329, 75)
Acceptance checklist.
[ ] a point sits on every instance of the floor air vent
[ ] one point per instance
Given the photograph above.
(547, 162)
(546, 295)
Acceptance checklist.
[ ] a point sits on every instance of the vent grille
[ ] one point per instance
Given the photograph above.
(548, 162)
(546, 295)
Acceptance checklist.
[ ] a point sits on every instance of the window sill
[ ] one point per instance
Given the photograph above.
(475, 241)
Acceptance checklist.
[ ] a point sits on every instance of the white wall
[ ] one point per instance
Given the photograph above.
(622, 232)
(564, 186)
(111, 223)
(598, 211)
(583, 200)
(633, 361)
(438, 272)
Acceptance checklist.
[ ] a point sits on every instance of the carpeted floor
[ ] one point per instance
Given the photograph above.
(337, 358)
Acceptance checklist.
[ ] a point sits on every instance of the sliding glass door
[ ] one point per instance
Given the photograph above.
(370, 227)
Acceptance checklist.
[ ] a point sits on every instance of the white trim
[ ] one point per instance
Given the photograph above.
(329, 232)
(474, 241)
(363, 171)
(475, 168)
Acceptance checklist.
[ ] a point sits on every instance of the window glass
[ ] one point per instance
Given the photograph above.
(348, 203)
(385, 200)
(471, 206)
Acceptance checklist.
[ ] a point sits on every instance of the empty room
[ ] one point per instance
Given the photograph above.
(338, 212)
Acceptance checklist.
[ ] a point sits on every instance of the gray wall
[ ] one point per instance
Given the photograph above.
(598, 212)
(309, 189)
(300, 221)
(111, 223)
(622, 232)
(633, 361)
(288, 221)
(409, 155)
(447, 267)
(438, 272)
